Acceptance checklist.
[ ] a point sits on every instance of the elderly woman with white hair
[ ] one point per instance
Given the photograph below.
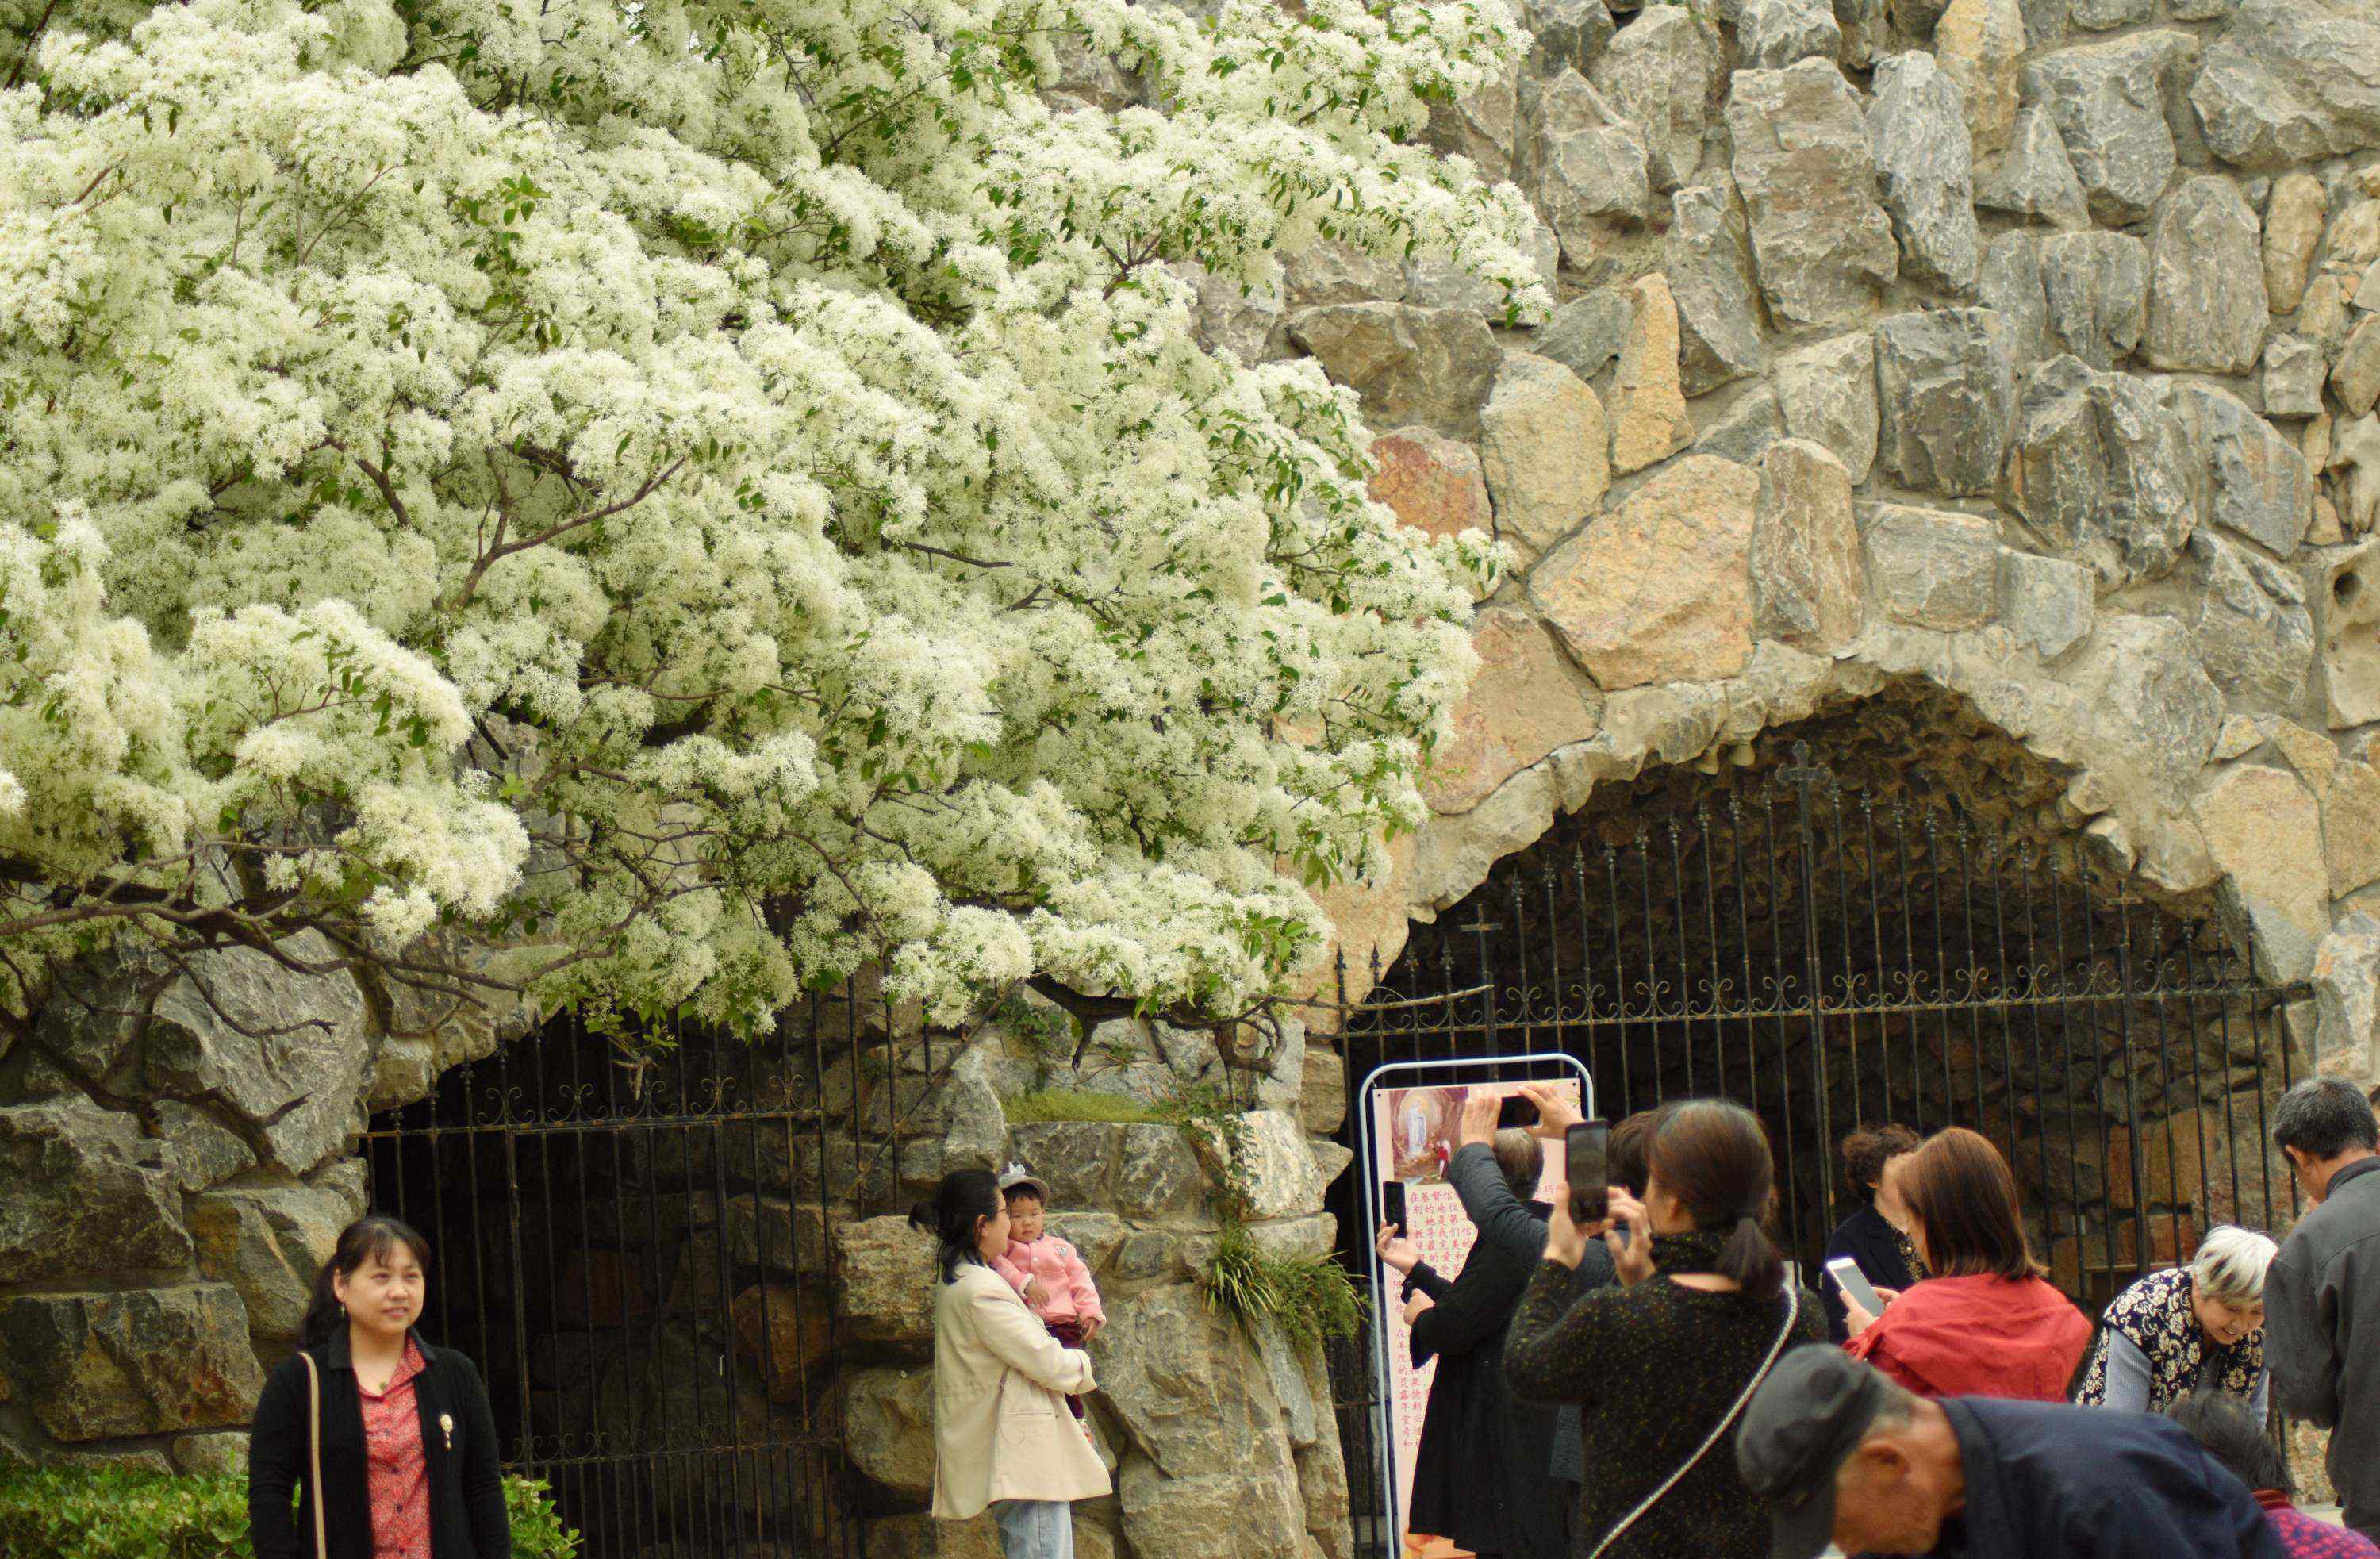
(2175, 1331)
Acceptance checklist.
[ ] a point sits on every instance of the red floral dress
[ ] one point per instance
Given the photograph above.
(397, 1472)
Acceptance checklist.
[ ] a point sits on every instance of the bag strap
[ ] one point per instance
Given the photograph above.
(1792, 1314)
(314, 1452)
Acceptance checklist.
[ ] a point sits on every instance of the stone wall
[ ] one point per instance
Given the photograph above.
(2017, 350)
(174, 1170)
(1221, 1439)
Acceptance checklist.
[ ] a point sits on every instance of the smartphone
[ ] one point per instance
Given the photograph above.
(1515, 1111)
(1854, 1282)
(1392, 1205)
(1582, 1160)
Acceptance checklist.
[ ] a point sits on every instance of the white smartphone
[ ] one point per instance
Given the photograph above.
(1854, 1282)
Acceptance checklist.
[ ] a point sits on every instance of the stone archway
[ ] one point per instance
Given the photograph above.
(1886, 909)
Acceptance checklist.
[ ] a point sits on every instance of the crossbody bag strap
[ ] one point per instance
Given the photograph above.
(314, 1452)
(1784, 1333)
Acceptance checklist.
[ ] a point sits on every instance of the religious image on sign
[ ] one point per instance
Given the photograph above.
(1411, 1141)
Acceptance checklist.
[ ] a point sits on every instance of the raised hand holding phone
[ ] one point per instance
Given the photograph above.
(1632, 1258)
(1583, 1143)
(1556, 1115)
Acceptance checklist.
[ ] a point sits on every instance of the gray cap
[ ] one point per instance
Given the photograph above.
(1019, 1178)
(1804, 1422)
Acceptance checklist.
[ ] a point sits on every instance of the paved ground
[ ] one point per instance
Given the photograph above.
(2327, 1512)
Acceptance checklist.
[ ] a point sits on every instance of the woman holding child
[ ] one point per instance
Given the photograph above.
(1002, 1437)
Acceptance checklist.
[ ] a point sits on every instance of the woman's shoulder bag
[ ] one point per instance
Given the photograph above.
(314, 1451)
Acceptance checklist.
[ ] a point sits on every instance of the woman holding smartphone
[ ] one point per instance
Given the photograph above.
(1985, 1323)
(1662, 1363)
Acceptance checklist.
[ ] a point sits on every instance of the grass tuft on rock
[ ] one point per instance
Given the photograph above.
(1308, 1296)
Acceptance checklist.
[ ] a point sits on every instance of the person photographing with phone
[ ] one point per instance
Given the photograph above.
(1479, 1470)
(1662, 1362)
(1986, 1324)
(1507, 1220)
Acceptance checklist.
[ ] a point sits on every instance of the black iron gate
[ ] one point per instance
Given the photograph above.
(637, 1258)
(1829, 959)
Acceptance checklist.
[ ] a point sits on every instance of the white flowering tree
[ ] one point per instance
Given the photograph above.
(698, 496)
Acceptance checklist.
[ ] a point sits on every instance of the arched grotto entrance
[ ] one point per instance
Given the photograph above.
(1889, 911)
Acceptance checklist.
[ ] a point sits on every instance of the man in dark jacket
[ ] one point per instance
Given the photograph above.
(1839, 1453)
(2322, 1295)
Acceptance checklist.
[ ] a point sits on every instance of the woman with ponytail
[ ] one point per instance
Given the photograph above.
(1662, 1364)
(1984, 1323)
(387, 1442)
(1003, 1438)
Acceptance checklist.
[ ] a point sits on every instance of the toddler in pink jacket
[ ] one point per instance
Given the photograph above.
(1046, 1271)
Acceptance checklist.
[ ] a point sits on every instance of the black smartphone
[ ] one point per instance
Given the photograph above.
(1392, 1205)
(1515, 1111)
(1582, 1166)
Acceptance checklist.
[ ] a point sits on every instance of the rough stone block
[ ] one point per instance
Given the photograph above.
(885, 1276)
(1821, 238)
(2101, 468)
(888, 1417)
(2288, 83)
(1932, 568)
(1255, 1514)
(2108, 103)
(2346, 599)
(2265, 830)
(1542, 451)
(1807, 574)
(1661, 591)
(1524, 701)
(2248, 620)
(1433, 483)
(2034, 176)
(1648, 404)
(1946, 385)
(1917, 129)
(1828, 396)
(1662, 74)
(1431, 366)
(1584, 163)
(301, 1084)
(268, 1243)
(2207, 308)
(85, 1193)
(784, 1329)
(1156, 1174)
(2046, 602)
(1707, 259)
(142, 1361)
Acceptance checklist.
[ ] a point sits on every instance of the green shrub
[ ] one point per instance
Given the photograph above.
(1308, 1296)
(114, 1512)
(1073, 1105)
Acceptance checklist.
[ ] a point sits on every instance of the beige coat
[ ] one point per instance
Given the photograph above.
(1002, 1430)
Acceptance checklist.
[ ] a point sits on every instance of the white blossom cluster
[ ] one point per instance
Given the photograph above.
(708, 493)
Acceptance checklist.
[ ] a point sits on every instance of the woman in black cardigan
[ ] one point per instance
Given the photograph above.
(407, 1441)
(1479, 1472)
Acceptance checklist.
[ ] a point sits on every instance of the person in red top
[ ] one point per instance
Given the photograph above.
(386, 1440)
(2236, 1437)
(1986, 1324)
